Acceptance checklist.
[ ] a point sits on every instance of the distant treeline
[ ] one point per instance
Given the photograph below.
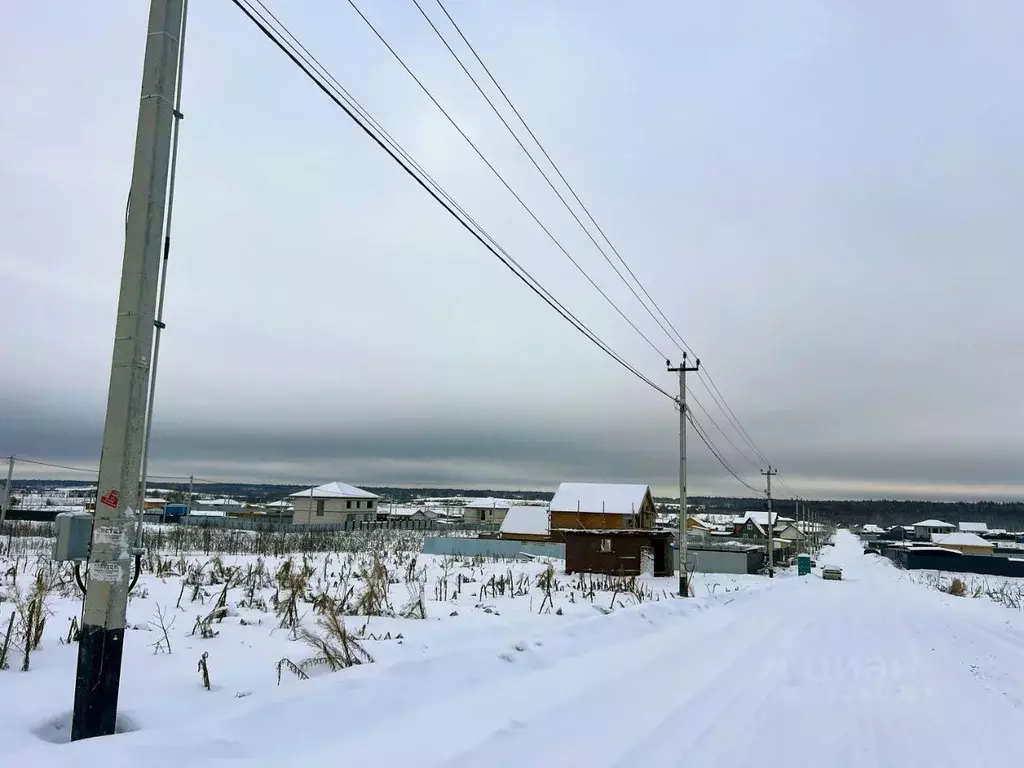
(884, 512)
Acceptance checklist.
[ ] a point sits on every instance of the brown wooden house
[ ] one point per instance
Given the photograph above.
(602, 506)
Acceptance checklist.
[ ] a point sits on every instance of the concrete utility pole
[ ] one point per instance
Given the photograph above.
(103, 616)
(682, 370)
(771, 527)
(5, 500)
(191, 480)
(796, 511)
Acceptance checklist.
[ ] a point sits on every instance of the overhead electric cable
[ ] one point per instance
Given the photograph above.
(501, 178)
(520, 272)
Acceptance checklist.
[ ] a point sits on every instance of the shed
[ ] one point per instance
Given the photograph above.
(967, 543)
(618, 552)
(525, 524)
(725, 556)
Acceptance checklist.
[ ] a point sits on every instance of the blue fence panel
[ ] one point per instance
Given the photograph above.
(467, 547)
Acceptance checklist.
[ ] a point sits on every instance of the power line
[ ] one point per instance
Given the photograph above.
(722, 431)
(530, 156)
(731, 416)
(56, 466)
(501, 178)
(450, 205)
(718, 398)
(95, 470)
(520, 272)
(714, 452)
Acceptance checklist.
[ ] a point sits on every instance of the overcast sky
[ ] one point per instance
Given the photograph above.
(825, 198)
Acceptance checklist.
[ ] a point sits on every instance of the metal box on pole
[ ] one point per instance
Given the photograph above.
(74, 536)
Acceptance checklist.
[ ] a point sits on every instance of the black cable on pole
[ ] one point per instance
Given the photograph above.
(556, 168)
(712, 387)
(730, 415)
(501, 178)
(520, 273)
(412, 161)
(700, 405)
(714, 452)
(540, 170)
(56, 466)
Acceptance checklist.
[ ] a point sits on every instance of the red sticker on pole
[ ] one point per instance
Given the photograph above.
(110, 498)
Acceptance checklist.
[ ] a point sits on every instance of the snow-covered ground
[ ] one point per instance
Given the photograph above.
(469, 604)
(868, 671)
(1005, 590)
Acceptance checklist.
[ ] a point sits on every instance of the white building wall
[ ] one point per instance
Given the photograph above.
(333, 510)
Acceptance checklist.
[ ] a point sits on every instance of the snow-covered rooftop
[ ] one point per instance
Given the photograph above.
(759, 518)
(411, 511)
(934, 524)
(974, 527)
(222, 502)
(610, 498)
(336, 490)
(872, 528)
(960, 539)
(489, 503)
(529, 521)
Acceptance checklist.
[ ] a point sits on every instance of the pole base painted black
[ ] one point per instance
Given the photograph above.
(684, 587)
(97, 682)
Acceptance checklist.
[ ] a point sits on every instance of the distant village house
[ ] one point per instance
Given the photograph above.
(925, 529)
(486, 511)
(333, 503)
(966, 543)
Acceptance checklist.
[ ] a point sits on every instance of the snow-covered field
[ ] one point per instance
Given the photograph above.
(1003, 590)
(249, 613)
(871, 670)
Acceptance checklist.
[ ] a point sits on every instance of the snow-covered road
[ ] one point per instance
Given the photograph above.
(870, 671)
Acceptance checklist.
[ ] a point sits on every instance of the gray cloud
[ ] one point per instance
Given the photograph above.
(822, 198)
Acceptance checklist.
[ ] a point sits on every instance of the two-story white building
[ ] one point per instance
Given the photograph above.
(925, 529)
(488, 511)
(333, 503)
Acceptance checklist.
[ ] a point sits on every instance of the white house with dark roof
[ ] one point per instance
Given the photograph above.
(333, 503)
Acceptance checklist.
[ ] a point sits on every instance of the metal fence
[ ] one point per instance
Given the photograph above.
(279, 526)
(469, 547)
(981, 564)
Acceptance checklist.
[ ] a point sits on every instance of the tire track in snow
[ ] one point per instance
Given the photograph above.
(641, 706)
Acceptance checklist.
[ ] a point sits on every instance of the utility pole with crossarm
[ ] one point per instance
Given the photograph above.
(682, 370)
(771, 525)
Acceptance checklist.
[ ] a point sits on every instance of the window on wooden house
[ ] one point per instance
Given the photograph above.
(606, 545)
(320, 508)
